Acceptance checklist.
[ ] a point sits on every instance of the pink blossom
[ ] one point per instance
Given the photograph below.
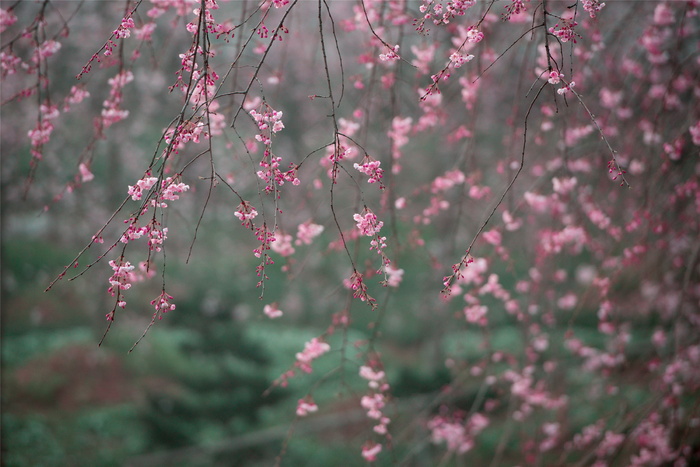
(592, 7)
(306, 232)
(7, 19)
(395, 276)
(555, 77)
(145, 32)
(390, 56)
(371, 169)
(306, 406)
(145, 184)
(45, 50)
(368, 224)
(373, 404)
(370, 451)
(564, 186)
(272, 311)
(282, 244)
(695, 133)
(476, 314)
(457, 59)
(85, 174)
(246, 213)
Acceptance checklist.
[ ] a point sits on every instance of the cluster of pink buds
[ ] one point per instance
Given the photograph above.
(162, 304)
(359, 289)
(592, 7)
(565, 31)
(266, 239)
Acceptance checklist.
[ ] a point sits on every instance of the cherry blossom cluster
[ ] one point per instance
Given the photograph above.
(120, 278)
(266, 239)
(272, 311)
(456, 432)
(273, 176)
(359, 289)
(209, 23)
(156, 235)
(515, 8)
(593, 7)
(112, 111)
(439, 14)
(391, 56)
(368, 225)
(245, 212)
(400, 128)
(41, 134)
(393, 275)
(307, 231)
(162, 304)
(169, 190)
(124, 29)
(269, 122)
(7, 19)
(565, 30)
(375, 401)
(283, 244)
(306, 406)
(313, 349)
(370, 167)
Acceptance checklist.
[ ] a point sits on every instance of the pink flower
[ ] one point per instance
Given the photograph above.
(7, 19)
(394, 275)
(695, 133)
(555, 77)
(282, 244)
(145, 184)
(272, 311)
(85, 174)
(370, 451)
(368, 223)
